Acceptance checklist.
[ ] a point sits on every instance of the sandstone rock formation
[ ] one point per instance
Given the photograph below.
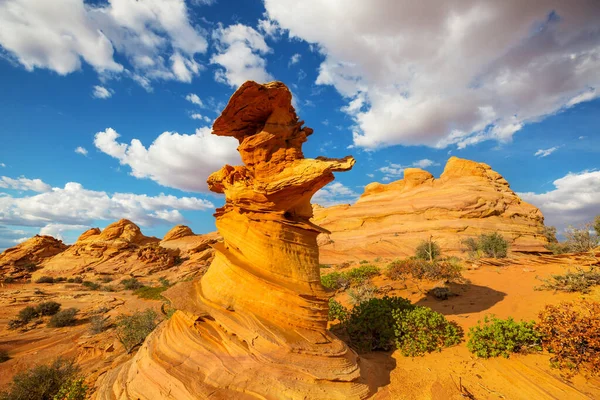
(255, 325)
(17, 261)
(178, 232)
(389, 220)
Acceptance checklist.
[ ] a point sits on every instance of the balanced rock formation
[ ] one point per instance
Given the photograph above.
(389, 220)
(255, 325)
(18, 261)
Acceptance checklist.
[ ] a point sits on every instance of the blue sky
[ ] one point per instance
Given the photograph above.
(106, 107)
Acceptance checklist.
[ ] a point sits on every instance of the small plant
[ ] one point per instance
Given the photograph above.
(571, 333)
(578, 281)
(4, 356)
(133, 329)
(336, 310)
(45, 279)
(582, 239)
(360, 274)
(8, 279)
(421, 330)
(28, 267)
(324, 266)
(150, 293)
(48, 308)
(363, 262)
(99, 324)
(428, 250)
(493, 245)
(73, 389)
(335, 280)
(63, 318)
(448, 270)
(27, 314)
(131, 284)
(370, 325)
(91, 285)
(108, 288)
(164, 281)
(106, 279)
(43, 382)
(498, 337)
(363, 292)
(60, 279)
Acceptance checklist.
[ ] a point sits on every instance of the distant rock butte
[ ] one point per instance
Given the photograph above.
(32, 251)
(255, 325)
(178, 232)
(389, 220)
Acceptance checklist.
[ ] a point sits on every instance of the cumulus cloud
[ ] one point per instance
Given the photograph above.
(545, 152)
(240, 48)
(194, 99)
(22, 183)
(335, 193)
(2, 165)
(174, 160)
(75, 205)
(450, 73)
(57, 231)
(200, 117)
(295, 59)
(396, 170)
(575, 200)
(154, 36)
(10, 237)
(81, 150)
(100, 92)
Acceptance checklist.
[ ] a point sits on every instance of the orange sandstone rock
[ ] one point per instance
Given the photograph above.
(32, 251)
(255, 325)
(178, 232)
(389, 220)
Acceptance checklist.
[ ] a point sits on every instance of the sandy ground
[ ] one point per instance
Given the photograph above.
(451, 374)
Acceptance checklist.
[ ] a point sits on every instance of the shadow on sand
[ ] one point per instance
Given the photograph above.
(469, 299)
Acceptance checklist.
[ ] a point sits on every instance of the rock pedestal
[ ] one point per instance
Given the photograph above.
(255, 325)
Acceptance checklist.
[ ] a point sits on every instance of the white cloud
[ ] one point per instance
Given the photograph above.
(174, 160)
(201, 117)
(22, 183)
(75, 205)
(239, 53)
(154, 36)
(194, 99)
(81, 150)
(582, 137)
(574, 201)
(2, 165)
(395, 170)
(100, 92)
(335, 193)
(269, 28)
(545, 152)
(295, 59)
(57, 230)
(450, 73)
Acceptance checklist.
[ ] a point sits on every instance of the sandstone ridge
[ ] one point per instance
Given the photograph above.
(468, 199)
(18, 261)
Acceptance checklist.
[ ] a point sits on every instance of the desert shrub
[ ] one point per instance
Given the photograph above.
(578, 281)
(8, 279)
(493, 245)
(336, 310)
(150, 293)
(572, 334)
(131, 284)
(471, 246)
(597, 225)
(335, 280)
(108, 288)
(324, 266)
(48, 308)
(164, 281)
(91, 285)
(370, 324)
(363, 292)
(28, 267)
(558, 248)
(549, 233)
(494, 337)
(60, 279)
(42, 382)
(99, 324)
(63, 318)
(106, 279)
(73, 389)
(4, 356)
(360, 274)
(582, 239)
(447, 270)
(27, 314)
(428, 250)
(421, 330)
(133, 329)
(45, 279)
(363, 262)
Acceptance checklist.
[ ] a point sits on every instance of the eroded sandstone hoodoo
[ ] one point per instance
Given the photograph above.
(254, 326)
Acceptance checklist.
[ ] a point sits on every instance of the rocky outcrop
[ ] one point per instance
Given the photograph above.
(178, 232)
(389, 220)
(255, 325)
(21, 260)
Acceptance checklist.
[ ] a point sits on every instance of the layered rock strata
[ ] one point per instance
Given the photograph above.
(23, 259)
(255, 325)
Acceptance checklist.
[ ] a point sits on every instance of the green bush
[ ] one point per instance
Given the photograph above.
(63, 318)
(491, 245)
(45, 279)
(421, 330)
(447, 270)
(91, 285)
(42, 382)
(99, 324)
(133, 329)
(131, 284)
(73, 389)
(336, 310)
(150, 293)
(105, 279)
(363, 292)
(335, 280)
(578, 281)
(341, 280)
(28, 267)
(48, 308)
(428, 250)
(494, 337)
(4, 356)
(164, 281)
(370, 325)
(363, 262)
(27, 314)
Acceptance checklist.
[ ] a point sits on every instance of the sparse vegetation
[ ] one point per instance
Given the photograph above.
(48, 308)
(421, 330)
(131, 284)
(164, 281)
(579, 281)
(341, 280)
(447, 269)
(45, 382)
(491, 245)
(75, 280)
(4, 356)
(63, 318)
(428, 250)
(8, 279)
(363, 292)
(571, 333)
(73, 389)
(24, 316)
(150, 293)
(582, 239)
(28, 267)
(133, 329)
(91, 285)
(336, 310)
(105, 279)
(494, 337)
(99, 323)
(45, 279)
(363, 262)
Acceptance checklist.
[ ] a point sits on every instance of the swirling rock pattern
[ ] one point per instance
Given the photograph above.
(255, 325)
